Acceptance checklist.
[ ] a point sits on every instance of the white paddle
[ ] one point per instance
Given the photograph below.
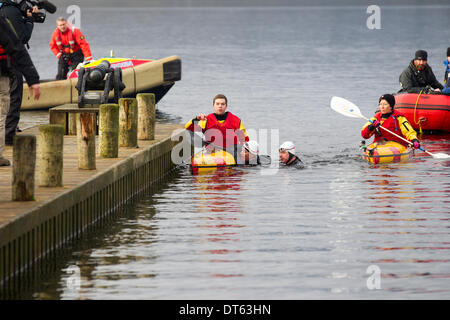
(349, 109)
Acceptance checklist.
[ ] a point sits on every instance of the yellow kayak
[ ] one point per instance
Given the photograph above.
(387, 152)
(205, 160)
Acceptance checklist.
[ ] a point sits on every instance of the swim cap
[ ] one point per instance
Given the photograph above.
(287, 146)
(252, 147)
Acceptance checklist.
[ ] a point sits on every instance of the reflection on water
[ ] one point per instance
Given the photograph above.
(409, 223)
(219, 208)
(235, 233)
(240, 234)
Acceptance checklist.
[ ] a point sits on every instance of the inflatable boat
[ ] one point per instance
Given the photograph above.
(387, 152)
(139, 76)
(205, 160)
(428, 112)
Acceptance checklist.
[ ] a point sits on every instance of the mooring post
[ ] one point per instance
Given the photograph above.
(24, 165)
(51, 154)
(128, 122)
(146, 116)
(58, 118)
(109, 130)
(86, 140)
(72, 125)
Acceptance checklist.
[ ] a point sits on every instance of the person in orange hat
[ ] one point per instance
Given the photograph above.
(69, 45)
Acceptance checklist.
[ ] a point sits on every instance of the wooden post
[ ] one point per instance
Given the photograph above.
(72, 124)
(24, 165)
(146, 116)
(58, 118)
(51, 154)
(109, 130)
(128, 122)
(86, 140)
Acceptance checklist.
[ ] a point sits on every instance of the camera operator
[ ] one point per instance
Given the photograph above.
(13, 53)
(23, 24)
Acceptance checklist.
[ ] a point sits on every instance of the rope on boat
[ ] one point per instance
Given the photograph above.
(415, 108)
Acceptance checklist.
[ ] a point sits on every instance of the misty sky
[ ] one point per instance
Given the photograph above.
(213, 3)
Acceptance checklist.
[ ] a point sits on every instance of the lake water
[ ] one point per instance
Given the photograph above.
(324, 232)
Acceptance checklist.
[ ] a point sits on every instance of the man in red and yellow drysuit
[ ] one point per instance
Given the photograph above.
(69, 45)
(392, 120)
(221, 128)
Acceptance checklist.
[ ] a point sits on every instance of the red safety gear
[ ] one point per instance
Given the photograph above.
(69, 42)
(3, 55)
(223, 133)
(396, 123)
(229, 129)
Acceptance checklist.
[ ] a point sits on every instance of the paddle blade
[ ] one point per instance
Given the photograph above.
(439, 155)
(345, 107)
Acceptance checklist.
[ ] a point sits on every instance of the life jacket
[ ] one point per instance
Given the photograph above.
(392, 124)
(4, 62)
(69, 46)
(71, 41)
(3, 55)
(224, 134)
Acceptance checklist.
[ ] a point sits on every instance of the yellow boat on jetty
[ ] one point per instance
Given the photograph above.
(387, 152)
(138, 75)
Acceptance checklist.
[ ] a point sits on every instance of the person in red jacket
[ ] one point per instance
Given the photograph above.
(392, 120)
(222, 128)
(69, 45)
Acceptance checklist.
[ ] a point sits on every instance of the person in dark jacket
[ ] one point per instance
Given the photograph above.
(418, 76)
(13, 55)
(23, 26)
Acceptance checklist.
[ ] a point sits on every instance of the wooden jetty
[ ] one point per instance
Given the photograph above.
(31, 230)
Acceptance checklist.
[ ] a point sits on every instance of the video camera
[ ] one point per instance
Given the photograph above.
(38, 17)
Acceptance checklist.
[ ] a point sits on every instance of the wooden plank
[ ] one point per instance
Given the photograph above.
(10, 210)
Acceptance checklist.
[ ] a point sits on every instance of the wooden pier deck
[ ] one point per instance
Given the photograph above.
(72, 176)
(31, 231)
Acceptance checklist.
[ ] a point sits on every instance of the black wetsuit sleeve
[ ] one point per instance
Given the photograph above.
(434, 82)
(408, 84)
(23, 26)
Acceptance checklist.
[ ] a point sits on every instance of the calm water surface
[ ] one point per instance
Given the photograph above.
(257, 233)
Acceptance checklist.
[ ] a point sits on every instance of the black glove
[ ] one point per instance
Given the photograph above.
(415, 143)
(374, 125)
(65, 57)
